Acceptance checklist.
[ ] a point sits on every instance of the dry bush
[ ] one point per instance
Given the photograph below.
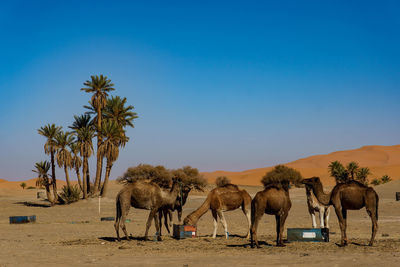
(157, 174)
(282, 175)
(190, 177)
(222, 180)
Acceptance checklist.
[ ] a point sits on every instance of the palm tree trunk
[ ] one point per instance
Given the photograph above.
(87, 177)
(107, 175)
(84, 174)
(78, 176)
(48, 194)
(99, 166)
(67, 176)
(53, 177)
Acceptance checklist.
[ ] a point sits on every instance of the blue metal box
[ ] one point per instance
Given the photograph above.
(22, 219)
(308, 234)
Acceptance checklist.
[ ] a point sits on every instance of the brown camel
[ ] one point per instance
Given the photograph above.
(224, 198)
(273, 200)
(144, 195)
(351, 195)
(167, 212)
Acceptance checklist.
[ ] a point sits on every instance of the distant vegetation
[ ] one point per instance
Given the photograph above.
(383, 180)
(23, 185)
(222, 180)
(352, 171)
(189, 176)
(282, 174)
(107, 118)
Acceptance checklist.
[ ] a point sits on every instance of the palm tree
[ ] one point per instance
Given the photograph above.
(337, 170)
(83, 129)
(42, 169)
(112, 140)
(99, 86)
(362, 175)
(64, 158)
(76, 161)
(352, 169)
(50, 132)
(85, 136)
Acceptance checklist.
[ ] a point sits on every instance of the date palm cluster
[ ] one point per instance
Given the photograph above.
(106, 119)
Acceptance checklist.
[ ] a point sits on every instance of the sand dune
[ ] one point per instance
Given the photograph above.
(31, 182)
(380, 159)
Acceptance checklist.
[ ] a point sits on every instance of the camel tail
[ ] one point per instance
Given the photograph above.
(118, 210)
(377, 202)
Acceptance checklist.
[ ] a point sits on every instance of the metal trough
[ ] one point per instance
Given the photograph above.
(22, 219)
(308, 234)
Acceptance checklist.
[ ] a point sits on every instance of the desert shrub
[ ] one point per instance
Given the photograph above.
(351, 172)
(376, 181)
(190, 177)
(282, 175)
(23, 185)
(31, 187)
(222, 180)
(70, 194)
(156, 174)
(385, 179)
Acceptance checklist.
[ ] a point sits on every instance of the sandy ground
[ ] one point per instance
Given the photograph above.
(73, 235)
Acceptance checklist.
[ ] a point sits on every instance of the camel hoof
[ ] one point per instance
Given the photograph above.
(159, 238)
(281, 245)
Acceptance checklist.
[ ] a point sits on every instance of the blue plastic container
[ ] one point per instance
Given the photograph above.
(22, 219)
(308, 234)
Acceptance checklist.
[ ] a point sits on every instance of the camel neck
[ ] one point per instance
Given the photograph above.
(320, 194)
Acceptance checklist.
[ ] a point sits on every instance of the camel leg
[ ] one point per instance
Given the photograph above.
(222, 217)
(148, 224)
(167, 213)
(326, 215)
(160, 215)
(314, 222)
(321, 217)
(158, 228)
(282, 220)
(124, 214)
(248, 216)
(342, 225)
(372, 210)
(215, 219)
(256, 216)
(180, 215)
(344, 213)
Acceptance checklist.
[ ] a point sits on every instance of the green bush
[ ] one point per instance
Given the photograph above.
(282, 174)
(222, 180)
(31, 187)
(70, 194)
(376, 181)
(385, 179)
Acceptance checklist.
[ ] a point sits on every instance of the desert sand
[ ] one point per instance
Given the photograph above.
(73, 235)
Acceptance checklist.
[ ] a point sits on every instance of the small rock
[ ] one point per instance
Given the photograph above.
(103, 243)
(385, 235)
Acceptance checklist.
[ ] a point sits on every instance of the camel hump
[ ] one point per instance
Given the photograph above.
(229, 186)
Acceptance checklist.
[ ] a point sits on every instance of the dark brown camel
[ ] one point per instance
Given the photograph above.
(273, 200)
(167, 212)
(143, 195)
(220, 199)
(348, 196)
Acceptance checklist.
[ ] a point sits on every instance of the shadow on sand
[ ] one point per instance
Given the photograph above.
(33, 204)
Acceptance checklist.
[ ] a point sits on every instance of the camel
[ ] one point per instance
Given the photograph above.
(273, 200)
(351, 195)
(224, 198)
(167, 212)
(144, 195)
(315, 206)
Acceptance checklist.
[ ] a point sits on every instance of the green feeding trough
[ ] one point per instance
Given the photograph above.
(308, 234)
(22, 219)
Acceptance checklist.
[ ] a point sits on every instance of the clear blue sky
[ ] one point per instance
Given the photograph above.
(219, 85)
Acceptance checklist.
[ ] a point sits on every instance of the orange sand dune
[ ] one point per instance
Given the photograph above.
(31, 182)
(380, 159)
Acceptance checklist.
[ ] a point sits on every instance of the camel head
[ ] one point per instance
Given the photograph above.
(311, 181)
(188, 221)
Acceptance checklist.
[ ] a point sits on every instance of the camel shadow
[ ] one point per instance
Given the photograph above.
(248, 245)
(353, 243)
(131, 238)
(33, 204)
